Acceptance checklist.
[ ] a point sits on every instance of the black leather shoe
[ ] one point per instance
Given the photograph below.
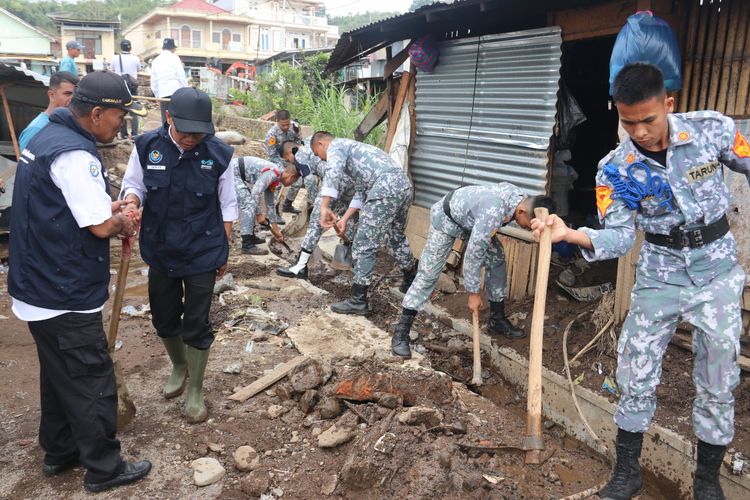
(132, 472)
(288, 208)
(55, 469)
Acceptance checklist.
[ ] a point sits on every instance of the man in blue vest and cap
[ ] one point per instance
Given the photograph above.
(62, 219)
(179, 174)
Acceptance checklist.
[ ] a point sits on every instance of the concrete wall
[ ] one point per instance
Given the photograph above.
(16, 38)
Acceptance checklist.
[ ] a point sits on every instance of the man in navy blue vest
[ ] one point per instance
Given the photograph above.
(62, 220)
(179, 174)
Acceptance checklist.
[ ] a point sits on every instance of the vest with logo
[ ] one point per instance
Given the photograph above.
(55, 264)
(182, 230)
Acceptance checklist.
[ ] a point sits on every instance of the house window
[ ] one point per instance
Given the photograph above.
(226, 37)
(92, 43)
(265, 40)
(157, 35)
(237, 37)
(185, 36)
(196, 41)
(175, 35)
(216, 37)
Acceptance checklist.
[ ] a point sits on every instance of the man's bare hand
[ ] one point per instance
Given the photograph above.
(220, 272)
(552, 223)
(277, 234)
(475, 302)
(327, 218)
(128, 227)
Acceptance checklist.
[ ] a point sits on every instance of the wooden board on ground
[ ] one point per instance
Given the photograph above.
(267, 380)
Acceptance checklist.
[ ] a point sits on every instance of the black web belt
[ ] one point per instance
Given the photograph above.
(447, 207)
(695, 237)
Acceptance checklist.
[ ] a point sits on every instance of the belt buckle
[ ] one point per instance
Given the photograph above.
(678, 238)
(695, 236)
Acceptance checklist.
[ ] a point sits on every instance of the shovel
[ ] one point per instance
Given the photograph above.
(476, 379)
(125, 404)
(342, 254)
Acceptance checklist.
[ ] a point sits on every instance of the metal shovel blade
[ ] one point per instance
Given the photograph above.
(342, 257)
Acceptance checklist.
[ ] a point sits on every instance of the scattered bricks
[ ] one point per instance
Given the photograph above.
(360, 384)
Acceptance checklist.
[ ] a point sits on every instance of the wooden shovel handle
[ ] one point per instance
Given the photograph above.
(477, 375)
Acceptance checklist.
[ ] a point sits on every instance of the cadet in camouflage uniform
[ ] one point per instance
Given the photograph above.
(476, 213)
(383, 193)
(688, 268)
(283, 130)
(305, 156)
(264, 178)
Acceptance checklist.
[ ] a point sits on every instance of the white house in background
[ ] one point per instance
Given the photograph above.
(228, 31)
(22, 42)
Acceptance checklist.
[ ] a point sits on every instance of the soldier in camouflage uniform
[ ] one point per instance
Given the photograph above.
(667, 179)
(253, 178)
(284, 130)
(474, 213)
(383, 194)
(304, 155)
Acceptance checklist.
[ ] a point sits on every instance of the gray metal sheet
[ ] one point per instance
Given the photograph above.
(486, 113)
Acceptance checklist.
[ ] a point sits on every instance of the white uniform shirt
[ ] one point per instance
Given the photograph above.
(78, 175)
(131, 63)
(167, 74)
(132, 182)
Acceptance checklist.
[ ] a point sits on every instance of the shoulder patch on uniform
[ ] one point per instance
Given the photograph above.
(683, 136)
(93, 168)
(603, 199)
(630, 158)
(741, 147)
(272, 141)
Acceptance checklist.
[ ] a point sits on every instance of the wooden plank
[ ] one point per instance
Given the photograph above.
(268, 379)
(737, 53)
(418, 221)
(700, 47)
(729, 50)
(403, 89)
(708, 55)
(532, 271)
(374, 118)
(626, 278)
(741, 106)
(397, 61)
(593, 20)
(522, 274)
(717, 62)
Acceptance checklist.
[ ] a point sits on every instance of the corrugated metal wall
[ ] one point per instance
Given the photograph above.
(486, 114)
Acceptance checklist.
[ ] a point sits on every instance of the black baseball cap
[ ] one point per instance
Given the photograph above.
(107, 89)
(190, 110)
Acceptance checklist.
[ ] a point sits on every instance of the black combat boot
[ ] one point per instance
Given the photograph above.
(626, 481)
(250, 244)
(288, 208)
(298, 270)
(408, 278)
(706, 481)
(356, 304)
(400, 339)
(499, 324)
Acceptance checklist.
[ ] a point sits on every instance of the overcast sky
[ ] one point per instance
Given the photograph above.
(342, 7)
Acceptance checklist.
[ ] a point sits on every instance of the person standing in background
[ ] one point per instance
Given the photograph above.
(167, 75)
(127, 65)
(68, 63)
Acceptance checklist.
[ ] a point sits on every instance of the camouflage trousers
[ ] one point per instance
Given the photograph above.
(433, 259)
(381, 217)
(244, 203)
(657, 308)
(315, 230)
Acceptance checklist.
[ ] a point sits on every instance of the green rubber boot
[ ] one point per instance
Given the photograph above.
(195, 408)
(176, 382)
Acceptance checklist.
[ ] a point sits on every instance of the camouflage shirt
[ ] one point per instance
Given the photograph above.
(264, 177)
(480, 210)
(275, 137)
(700, 144)
(374, 173)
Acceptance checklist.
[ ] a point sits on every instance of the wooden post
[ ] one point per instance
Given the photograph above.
(11, 128)
(403, 89)
(533, 442)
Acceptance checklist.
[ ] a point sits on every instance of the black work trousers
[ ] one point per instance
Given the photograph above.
(172, 316)
(78, 394)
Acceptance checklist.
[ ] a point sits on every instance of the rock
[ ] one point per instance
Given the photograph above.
(225, 284)
(246, 458)
(445, 284)
(390, 400)
(306, 377)
(277, 492)
(474, 420)
(386, 443)
(295, 437)
(231, 137)
(308, 400)
(417, 415)
(275, 411)
(316, 431)
(328, 485)
(256, 483)
(207, 471)
(259, 337)
(329, 408)
(334, 436)
(567, 278)
(216, 448)
(282, 391)
(234, 368)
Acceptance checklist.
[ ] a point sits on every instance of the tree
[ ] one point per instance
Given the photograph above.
(353, 21)
(415, 4)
